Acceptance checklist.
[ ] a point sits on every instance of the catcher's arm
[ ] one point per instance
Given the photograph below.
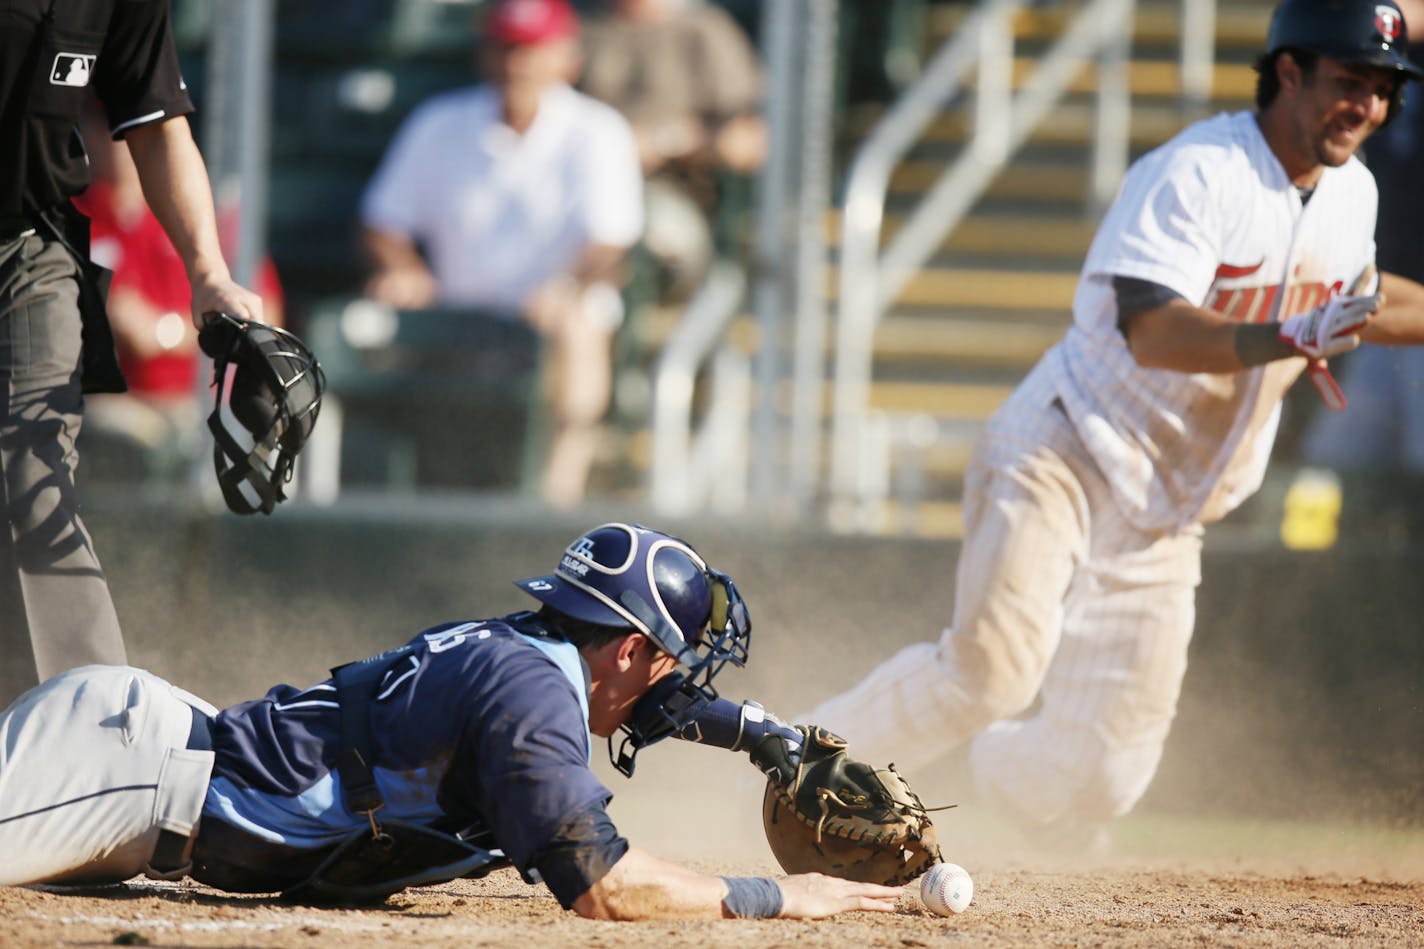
(642, 886)
(726, 724)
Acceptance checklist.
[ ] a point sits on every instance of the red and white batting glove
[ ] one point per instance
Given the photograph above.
(1329, 329)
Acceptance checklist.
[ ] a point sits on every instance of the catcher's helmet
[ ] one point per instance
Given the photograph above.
(627, 575)
(269, 388)
(1353, 31)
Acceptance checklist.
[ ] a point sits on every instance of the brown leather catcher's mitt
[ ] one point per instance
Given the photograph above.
(826, 812)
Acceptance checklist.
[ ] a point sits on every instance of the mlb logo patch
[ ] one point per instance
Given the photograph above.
(71, 69)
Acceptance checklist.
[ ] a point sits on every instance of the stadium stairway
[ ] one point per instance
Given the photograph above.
(999, 290)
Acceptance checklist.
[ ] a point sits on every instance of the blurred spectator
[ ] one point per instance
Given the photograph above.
(1383, 428)
(519, 196)
(148, 307)
(687, 78)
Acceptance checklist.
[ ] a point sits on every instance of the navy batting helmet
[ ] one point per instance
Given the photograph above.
(1352, 31)
(629, 576)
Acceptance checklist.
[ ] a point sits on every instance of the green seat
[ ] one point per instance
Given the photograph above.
(311, 228)
(353, 30)
(348, 113)
(442, 398)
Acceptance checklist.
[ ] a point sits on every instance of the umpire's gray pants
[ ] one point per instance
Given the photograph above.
(55, 608)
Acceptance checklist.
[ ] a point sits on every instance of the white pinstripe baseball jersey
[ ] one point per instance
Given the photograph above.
(1212, 216)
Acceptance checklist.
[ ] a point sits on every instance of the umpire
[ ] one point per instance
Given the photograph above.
(55, 608)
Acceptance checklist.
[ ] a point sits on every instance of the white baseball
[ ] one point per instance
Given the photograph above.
(947, 889)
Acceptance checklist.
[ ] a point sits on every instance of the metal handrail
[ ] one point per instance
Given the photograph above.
(871, 280)
(689, 468)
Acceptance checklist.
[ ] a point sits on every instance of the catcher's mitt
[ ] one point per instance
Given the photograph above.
(826, 812)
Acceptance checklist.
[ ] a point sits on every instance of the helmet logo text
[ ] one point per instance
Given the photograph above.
(571, 564)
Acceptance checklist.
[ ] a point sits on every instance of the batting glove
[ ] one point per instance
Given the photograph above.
(1329, 329)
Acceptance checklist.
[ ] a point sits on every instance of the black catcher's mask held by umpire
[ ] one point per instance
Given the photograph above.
(269, 388)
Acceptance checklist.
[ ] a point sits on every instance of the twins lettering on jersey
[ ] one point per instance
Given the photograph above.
(1256, 304)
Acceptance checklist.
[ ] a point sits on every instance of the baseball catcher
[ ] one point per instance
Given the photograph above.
(464, 749)
(269, 388)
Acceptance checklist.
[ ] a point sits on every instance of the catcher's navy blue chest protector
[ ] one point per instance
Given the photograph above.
(394, 854)
(269, 388)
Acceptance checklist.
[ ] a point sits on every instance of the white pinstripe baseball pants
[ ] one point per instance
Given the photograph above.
(1058, 598)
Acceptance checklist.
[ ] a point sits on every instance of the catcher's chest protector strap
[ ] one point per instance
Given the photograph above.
(394, 854)
(356, 684)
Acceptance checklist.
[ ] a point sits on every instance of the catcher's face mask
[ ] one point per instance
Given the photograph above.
(269, 388)
(675, 700)
(626, 575)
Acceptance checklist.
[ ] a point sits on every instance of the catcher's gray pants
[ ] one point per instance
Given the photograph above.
(1059, 598)
(55, 608)
(93, 764)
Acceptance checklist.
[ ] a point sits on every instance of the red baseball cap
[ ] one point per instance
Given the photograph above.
(525, 22)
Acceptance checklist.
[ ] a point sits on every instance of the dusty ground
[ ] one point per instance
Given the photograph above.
(1164, 881)
(1107, 905)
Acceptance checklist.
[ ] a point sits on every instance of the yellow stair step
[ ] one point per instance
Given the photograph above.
(1230, 81)
(1070, 124)
(943, 399)
(1238, 25)
(912, 340)
(985, 289)
(995, 235)
(1050, 183)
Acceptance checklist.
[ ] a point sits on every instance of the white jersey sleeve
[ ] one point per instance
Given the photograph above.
(1212, 216)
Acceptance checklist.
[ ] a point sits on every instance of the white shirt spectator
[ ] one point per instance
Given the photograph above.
(499, 213)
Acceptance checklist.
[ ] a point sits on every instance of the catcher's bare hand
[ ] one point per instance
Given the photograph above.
(814, 895)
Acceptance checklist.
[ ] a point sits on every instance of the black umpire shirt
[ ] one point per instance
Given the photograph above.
(53, 54)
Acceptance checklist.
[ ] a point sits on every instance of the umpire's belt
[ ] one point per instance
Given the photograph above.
(168, 856)
(8, 234)
(16, 227)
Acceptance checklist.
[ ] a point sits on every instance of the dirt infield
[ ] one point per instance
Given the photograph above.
(1233, 845)
(1105, 906)
(1164, 881)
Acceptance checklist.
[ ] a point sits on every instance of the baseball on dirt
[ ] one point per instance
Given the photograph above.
(946, 889)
